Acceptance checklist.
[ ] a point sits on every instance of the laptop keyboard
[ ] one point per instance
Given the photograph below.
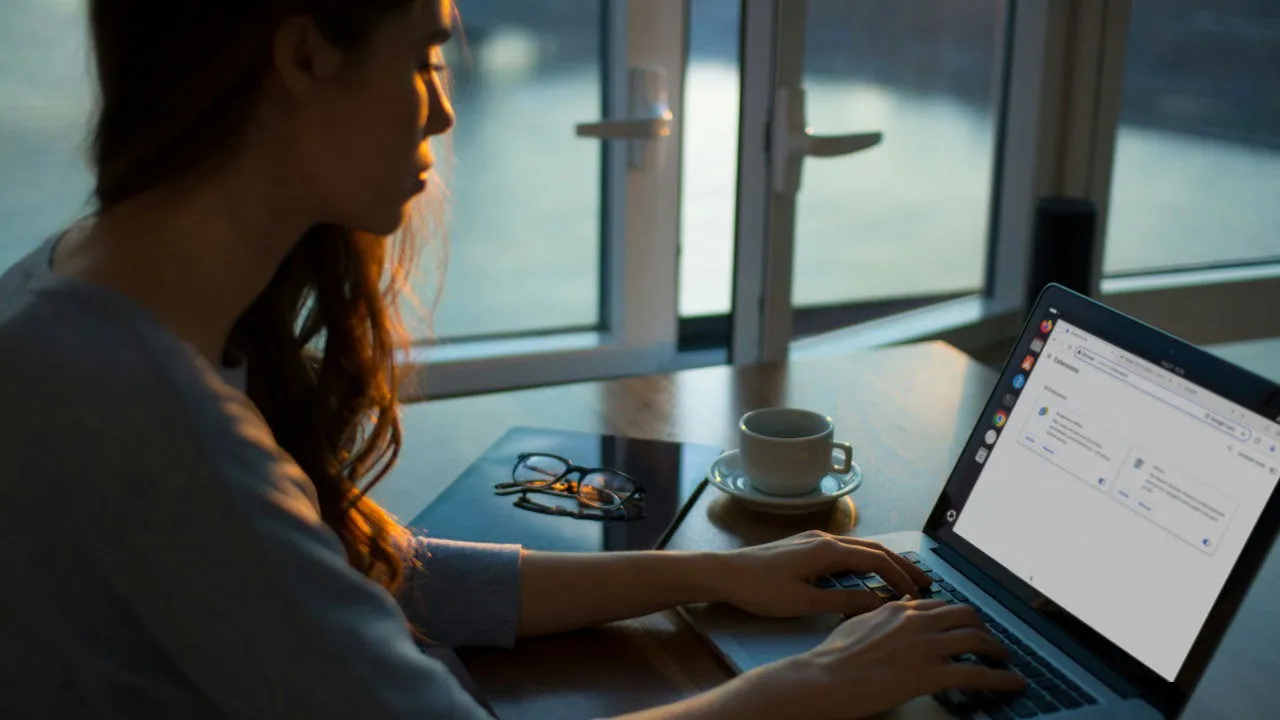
(1048, 690)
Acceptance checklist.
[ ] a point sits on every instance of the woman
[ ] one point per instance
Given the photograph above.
(200, 379)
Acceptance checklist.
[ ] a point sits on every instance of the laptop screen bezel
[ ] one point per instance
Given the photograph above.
(1073, 636)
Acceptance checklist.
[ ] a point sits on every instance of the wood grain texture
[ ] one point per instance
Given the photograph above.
(906, 410)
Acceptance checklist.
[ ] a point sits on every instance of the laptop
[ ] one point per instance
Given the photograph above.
(1110, 459)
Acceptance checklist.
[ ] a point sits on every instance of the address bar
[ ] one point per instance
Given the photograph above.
(1165, 395)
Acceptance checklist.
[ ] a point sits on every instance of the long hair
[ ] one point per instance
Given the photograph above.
(178, 84)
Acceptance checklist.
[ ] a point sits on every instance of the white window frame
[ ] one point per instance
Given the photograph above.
(640, 231)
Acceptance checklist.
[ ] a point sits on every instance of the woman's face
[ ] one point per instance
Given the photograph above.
(365, 138)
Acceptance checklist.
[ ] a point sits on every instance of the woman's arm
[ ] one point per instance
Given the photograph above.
(567, 591)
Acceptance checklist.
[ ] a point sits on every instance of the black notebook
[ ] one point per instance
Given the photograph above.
(672, 473)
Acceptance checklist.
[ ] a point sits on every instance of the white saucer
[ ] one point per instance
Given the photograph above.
(727, 474)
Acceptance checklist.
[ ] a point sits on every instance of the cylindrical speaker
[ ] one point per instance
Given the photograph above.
(1062, 246)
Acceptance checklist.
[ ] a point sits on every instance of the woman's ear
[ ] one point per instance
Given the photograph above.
(303, 57)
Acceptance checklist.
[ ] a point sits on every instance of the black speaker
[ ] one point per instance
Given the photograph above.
(1062, 246)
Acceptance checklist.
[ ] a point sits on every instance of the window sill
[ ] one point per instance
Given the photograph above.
(965, 322)
(472, 367)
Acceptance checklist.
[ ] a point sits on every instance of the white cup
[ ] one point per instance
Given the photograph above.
(787, 451)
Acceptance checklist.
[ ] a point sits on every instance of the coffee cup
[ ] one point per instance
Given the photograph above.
(788, 451)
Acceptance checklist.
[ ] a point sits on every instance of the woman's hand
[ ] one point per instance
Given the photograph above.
(775, 580)
(869, 664)
(903, 650)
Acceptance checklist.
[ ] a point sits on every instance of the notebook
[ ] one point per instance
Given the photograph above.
(672, 473)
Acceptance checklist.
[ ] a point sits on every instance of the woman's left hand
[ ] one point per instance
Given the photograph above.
(776, 579)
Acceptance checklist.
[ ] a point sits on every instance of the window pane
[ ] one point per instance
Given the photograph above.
(45, 101)
(907, 218)
(1197, 166)
(708, 184)
(524, 230)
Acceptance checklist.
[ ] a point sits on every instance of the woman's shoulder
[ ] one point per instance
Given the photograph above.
(76, 338)
(81, 365)
(96, 394)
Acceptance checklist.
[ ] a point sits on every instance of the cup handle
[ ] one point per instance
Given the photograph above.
(845, 467)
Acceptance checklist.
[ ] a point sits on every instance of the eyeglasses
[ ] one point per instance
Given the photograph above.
(615, 494)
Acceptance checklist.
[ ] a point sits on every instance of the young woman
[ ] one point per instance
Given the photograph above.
(199, 387)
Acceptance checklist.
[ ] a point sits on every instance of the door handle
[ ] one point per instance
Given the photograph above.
(649, 119)
(791, 141)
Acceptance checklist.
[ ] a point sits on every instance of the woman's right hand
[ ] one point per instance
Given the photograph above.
(881, 659)
(870, 663)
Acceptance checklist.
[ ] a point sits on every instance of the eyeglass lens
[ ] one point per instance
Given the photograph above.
(538, 470)
(605, 489)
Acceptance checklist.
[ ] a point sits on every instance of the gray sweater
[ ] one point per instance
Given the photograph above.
(163, 557)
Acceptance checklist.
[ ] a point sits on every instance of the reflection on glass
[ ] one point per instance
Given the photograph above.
(524, 229)
(708, 184)
(1197, 166)
(909, 217)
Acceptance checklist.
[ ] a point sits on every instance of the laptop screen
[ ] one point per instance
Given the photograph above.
(1118, 489)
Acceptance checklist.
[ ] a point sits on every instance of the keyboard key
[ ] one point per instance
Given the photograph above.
(1055, 672)
(1018, 660)
(851, 584)
(991, 706)
(984, 700)
(960, 596)
(1072, 685)
(825, 583)
(1045, 705)
(986, 616)
(957, 702)
(1031, 672)
(911, 556)
(997, 627)
(933, 575)
(864, 575)
(1031, 692)
(946, 585)
(1049, 685)
(874, 582)
(1066, 699)
(1087, 697)
(886, 592)
(1023, 709)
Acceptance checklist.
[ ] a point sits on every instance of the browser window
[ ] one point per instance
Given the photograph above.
(1121, 492)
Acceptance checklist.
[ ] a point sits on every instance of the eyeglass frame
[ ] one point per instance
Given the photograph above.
(506, 488)
(602, 514)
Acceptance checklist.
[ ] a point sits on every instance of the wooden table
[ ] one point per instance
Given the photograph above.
(906, 410)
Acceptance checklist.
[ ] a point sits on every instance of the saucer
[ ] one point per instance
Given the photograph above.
(727, 474)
